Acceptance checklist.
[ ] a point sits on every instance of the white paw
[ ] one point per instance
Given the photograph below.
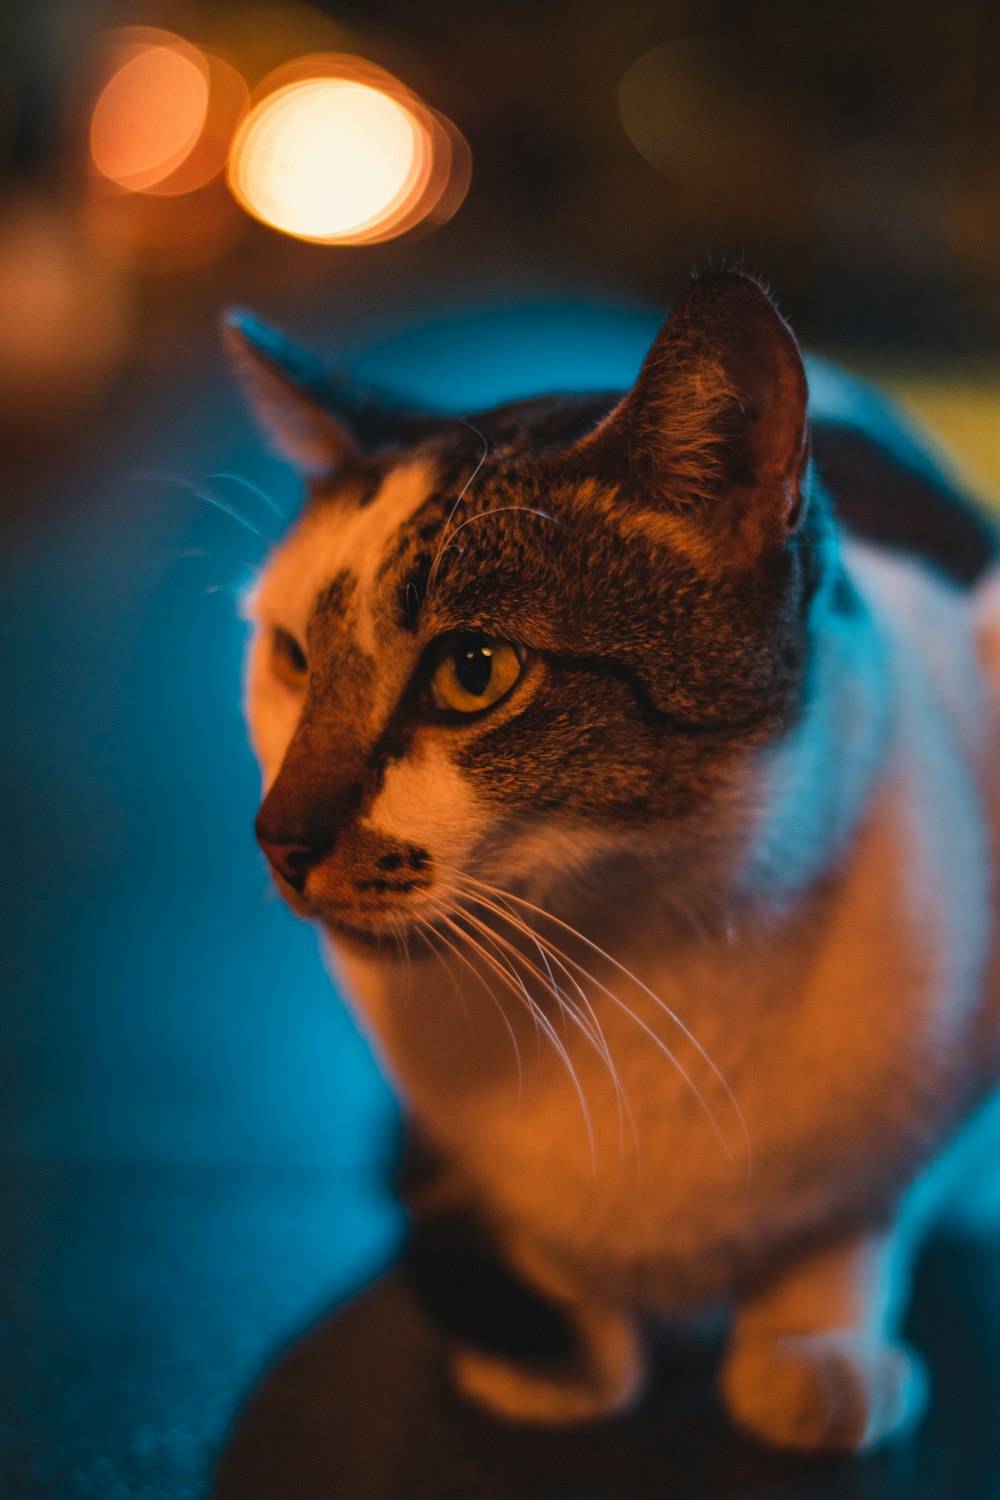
(828, 1392)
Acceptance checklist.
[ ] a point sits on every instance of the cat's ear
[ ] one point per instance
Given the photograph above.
(288, 391)
(713, 435)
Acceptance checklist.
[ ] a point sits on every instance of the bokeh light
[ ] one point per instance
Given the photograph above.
(160, 133)
(337, 151)
(227, 101)
(151, 111)
(326, 158)
(165, 117)
(64, 317)
(163, 236)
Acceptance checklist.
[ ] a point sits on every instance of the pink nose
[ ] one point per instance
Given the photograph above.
(291, 861)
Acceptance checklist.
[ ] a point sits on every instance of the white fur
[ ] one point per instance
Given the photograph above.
(426, 800)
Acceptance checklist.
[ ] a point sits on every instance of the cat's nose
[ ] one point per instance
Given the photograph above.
(292, 861)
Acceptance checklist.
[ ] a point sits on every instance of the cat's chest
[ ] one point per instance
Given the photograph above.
(668, 1130)
(813, 1094)
(668, 1174)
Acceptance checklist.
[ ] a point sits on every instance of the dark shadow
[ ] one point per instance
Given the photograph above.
(360, 1408)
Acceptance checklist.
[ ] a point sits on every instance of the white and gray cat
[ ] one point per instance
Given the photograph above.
(652, 813)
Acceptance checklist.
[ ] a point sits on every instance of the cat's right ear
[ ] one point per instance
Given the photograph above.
(712, 440)
(285, 387)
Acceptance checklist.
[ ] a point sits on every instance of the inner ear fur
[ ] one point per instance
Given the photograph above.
(712, 438)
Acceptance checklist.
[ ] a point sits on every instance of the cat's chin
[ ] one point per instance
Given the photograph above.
(393, 941)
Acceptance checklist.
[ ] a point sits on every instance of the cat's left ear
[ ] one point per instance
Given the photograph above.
(288, 391)
(711, 443)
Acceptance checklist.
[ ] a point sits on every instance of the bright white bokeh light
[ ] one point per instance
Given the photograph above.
(327, 159)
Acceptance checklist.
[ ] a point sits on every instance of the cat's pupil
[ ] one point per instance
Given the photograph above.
(474, 665)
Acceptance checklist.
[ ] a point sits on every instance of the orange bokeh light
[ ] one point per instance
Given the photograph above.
(337, 151)
(150, 112)
(165, 117)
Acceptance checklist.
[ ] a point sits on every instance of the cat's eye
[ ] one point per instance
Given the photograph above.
(288, 658)
(472, 672)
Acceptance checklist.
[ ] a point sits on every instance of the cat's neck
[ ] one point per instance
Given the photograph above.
(815, 785)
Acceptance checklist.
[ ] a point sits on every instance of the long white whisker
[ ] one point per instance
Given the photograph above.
(495, 939)
(185, 554)
(213, 500)
(661, 1004)
(518, 988)
(404, 944)
(495, 510)
(441, 913)
(432, 574)
(254, 489)
(592, 1029)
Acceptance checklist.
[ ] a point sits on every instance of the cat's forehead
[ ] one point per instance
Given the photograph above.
(345, 536)
(381, 526)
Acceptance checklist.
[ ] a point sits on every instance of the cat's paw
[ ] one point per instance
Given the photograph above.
(832, 1392)
(604, 1378)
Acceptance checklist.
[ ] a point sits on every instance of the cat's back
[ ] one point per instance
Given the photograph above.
(888, 483)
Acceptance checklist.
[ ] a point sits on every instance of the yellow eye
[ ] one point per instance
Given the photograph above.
(288, 658)
(473, 672)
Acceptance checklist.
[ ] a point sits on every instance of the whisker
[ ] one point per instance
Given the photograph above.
(496, 510)
(514, 985)
(499, 510)
(432, 574)
(254, 489)
(186, 553)
(441, 913)
(481, 980)
(592, 1030)
(657, 1041)
(661, 1004)
(518, 988)
(403, 948)
(515, 956)
(547, 982)
(213, 500)
(593, 1033)
(233, 589)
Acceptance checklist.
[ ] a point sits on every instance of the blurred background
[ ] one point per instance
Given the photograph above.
(471, 201)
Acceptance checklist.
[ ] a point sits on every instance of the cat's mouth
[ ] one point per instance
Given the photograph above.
(382, 924)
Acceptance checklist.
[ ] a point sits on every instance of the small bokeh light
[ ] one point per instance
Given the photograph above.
(337, 151)
(165, 117)
(151, 111)
(160, 129)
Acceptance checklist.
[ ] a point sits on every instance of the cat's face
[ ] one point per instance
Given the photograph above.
(517, 647)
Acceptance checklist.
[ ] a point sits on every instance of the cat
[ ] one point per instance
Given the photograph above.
(651, 813)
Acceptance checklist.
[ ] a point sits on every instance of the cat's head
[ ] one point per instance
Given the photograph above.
(525, 643)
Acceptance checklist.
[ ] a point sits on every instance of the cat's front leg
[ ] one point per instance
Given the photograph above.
(813, 1362)
(600, 1374)
(524, 1344)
